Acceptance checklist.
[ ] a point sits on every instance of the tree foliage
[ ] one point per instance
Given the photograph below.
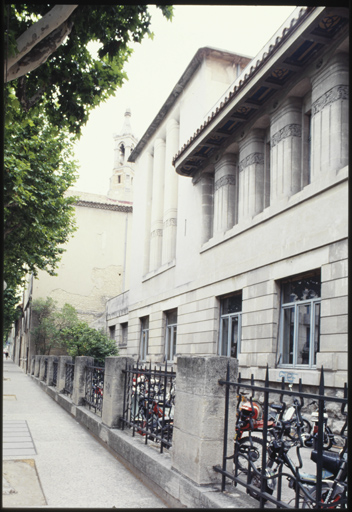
(62, 329)
(58, 71)
(38, 218)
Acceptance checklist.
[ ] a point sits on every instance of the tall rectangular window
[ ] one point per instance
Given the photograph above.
(230, 325)
(124, 333)
(112, 331)
(300, 321)
(171, 334)
(143, 352)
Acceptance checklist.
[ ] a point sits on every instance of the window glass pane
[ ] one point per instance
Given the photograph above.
(287, 341)
(224, 336)
(231, 304)
(316, 332)
(301, 289)
(303, 334)
(145, 322)
(234, 336)
(171, 317)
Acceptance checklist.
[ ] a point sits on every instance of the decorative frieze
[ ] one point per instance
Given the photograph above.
(290, 130)
(229, 179)
(253, 158)
(339, 92)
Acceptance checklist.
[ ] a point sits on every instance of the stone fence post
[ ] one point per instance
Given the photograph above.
(50, 372)
(197, 443)
(32, 366)
(61, 372)
(42, 367)
(37, 366)
(114, 380)
(79, 378)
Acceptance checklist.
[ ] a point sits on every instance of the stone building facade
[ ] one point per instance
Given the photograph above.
(239, 242)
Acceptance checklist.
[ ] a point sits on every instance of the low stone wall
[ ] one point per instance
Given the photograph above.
(182, 476)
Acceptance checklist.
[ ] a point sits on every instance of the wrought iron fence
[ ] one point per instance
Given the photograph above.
(55, 368)
(262, 462)
(45, 370)
(94, 392)
(149, 400)
(69, 374)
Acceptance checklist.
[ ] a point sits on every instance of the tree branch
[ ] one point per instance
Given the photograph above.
(40, 53)
(39, 42)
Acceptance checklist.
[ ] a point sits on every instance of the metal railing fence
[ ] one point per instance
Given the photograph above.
(94, 390)
(261, 464)
(69, 374)
(149, 400)
(45, 370)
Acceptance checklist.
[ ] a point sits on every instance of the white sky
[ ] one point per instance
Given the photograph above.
(156, 66)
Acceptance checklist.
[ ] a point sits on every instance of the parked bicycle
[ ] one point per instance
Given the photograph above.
(334, 470)
(309, 438)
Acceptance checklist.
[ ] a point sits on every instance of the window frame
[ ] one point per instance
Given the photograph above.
(144, 339)
(170, 336)
(296, 305)
(230, 317)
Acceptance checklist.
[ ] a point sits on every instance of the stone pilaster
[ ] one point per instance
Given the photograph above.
(330, 118)
(286, 150)
(226, 193)
(251, 175)
(157, 206)
(170, 193)
(206, 183)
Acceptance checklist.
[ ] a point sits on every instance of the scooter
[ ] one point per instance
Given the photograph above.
(309, 438)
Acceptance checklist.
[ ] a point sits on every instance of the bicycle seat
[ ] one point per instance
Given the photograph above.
(277, 407)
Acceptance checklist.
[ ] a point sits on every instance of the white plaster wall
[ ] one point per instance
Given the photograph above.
(91, 269)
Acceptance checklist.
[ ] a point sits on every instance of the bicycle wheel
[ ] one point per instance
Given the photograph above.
(250, 450)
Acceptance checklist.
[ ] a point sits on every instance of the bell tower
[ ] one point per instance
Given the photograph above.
(121, 181)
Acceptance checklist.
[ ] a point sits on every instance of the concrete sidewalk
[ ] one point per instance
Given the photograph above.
(50, 460)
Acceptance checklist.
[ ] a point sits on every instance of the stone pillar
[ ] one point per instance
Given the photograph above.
(147, 184)
(330, 118)
(156, 235)
(114, 380)
(79, 379)
(251, 176)
(37, 365)
(42, 367)
(50, 374)
(197, 443)
(61, 372)
(32, 365)
(170, 193)
(286, 150)
(206, 182)
(226, 193)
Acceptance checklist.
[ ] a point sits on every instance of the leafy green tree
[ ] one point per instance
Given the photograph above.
(62, 329)
(38, 218)
(45, 335)
(82, 340)
(49, 61)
